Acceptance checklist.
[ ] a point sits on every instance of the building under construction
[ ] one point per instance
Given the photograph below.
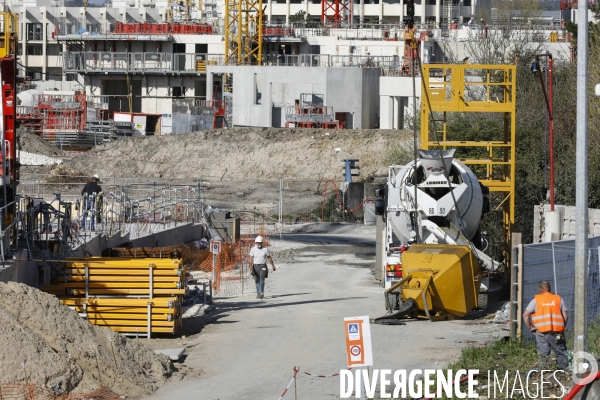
(159, 68)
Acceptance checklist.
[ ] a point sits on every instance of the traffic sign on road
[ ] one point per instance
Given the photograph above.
(358, 341)
(215, 247)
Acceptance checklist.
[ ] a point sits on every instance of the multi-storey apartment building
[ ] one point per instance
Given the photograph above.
(162, 59)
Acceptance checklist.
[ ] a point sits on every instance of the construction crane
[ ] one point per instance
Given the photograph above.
(243, 32)
(336, 12)
(411, 47)
(8, 74)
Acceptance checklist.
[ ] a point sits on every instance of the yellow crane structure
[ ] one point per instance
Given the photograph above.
(243, 32)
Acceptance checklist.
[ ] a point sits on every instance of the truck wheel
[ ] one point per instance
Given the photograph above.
(392, 301)
(482, 301)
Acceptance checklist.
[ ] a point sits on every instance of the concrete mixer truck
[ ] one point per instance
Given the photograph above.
(430, 244)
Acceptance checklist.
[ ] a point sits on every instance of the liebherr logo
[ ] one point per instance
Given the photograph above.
(549, 304)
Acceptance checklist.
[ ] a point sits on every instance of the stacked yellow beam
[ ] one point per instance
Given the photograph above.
(128, 295)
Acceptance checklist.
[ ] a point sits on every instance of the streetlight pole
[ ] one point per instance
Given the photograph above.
(581, 190)
(550, 106)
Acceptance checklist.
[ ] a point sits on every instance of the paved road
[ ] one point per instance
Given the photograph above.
(248, 348)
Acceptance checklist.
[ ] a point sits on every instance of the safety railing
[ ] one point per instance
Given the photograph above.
(90, 26)
(90, 62)
(309, 114)
(125, 206)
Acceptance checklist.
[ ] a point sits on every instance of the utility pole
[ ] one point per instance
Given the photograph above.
(548, 96)
(581, 192)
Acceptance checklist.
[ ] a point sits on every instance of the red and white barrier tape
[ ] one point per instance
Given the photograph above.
(325, 376)
(297, 369)
(290, 384)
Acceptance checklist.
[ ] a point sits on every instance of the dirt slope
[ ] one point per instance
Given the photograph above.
(47, 344)
(243, 153)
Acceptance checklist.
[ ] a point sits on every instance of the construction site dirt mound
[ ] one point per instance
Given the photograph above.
(273, 153)
(32, 143)
(47, 344)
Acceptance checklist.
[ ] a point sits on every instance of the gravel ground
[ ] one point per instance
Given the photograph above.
(246, 348)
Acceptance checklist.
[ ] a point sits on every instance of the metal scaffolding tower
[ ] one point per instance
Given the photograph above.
(243, 32)
(450, 14)
(340, 11)
(476, 88)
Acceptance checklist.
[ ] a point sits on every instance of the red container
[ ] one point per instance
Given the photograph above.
(119, 27)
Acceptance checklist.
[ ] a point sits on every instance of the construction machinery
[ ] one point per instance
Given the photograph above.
(8, 73)
(432, 208)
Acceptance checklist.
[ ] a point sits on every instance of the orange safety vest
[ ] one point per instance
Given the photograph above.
(548, 317)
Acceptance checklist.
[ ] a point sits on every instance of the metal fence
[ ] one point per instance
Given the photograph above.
(143, 203)
(555, 262)
(126, 205)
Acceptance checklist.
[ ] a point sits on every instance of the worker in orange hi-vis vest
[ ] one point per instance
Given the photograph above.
(546, 316)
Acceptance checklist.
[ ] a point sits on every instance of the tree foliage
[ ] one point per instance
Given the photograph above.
(532, 159)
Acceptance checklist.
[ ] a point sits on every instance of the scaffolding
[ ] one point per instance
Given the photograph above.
(310, 112)
(450, 15)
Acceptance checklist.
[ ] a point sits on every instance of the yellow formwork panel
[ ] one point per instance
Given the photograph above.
(124, 285)
(142, 329)
(168, 302)
(116, 292)
(129, 322)
(124, 278)
(127, 310)
(126, 316)
(475, 88)
(131, 263)
(118, 271)
(448, 275)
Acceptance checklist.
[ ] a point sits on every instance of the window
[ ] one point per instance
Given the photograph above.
(34, 50)
(34, 31)
(52, 50)
(177, 91)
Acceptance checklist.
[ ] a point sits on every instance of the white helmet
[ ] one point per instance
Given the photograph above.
(96, 177)
(259, 239)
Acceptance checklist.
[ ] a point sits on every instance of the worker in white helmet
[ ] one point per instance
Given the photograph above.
(258, 261)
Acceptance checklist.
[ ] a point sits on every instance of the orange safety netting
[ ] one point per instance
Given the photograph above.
(231, 264)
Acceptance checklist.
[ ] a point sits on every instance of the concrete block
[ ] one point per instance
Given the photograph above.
(228, 230)
(173, 354)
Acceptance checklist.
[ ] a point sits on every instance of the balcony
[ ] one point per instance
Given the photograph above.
(138, 63)
(196, 63)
